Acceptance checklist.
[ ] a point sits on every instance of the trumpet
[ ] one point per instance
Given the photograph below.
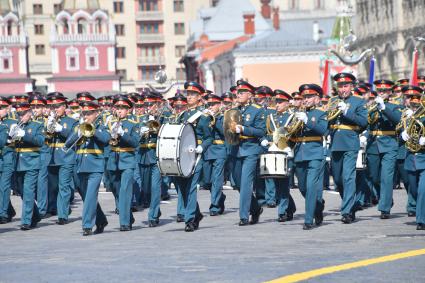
(114, 132)
(87, 130)
(50, 127)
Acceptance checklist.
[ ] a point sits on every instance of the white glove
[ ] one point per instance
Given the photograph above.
(289, 152)
(144, 130)
(422, 141)
(363, 141)
(20, 133)
(408, 113)
(151, 118)
(12, 129)
(343, 107)
(50, 119)
(199, 149)
(58, 128)
(264, 143)
(302, 117)
(120, 131)
(239, 129)
(380, 102)
(76, 116)
(405, 136)
(79, 133)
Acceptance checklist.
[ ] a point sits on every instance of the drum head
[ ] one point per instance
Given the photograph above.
(187, 147)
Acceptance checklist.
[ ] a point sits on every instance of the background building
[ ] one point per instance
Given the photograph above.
(390, 27)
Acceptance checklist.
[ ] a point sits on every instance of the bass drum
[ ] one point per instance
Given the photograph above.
(361, 160)
(274, 164)
(175, 150)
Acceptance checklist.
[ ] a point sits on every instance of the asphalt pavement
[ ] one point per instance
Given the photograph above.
(220, 251)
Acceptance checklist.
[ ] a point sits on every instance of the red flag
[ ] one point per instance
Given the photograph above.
(325, 84)
(414, 75)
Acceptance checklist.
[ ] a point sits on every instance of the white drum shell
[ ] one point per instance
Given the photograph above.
(175, 150)
(273, 165)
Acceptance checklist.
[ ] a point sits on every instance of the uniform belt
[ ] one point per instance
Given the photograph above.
(57, 144)
(122, 149)
(246, 137)
(345, 127)
(307, 139)
(383, 133)
(148, 145)
(89, 150)
(199, 141)
(27, 149)
(218, 142)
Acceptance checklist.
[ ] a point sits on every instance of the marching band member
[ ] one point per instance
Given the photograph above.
(251, 129)
(415, 158)
(187, 187)
(285, 203)
(216, 155)
(265, 189)
(308, 154)
(148, 168)
(7, 212)
(383, 146)
(28, 138)
(90, 164)
(345, 143)
(122, 160)
(61, 167)
(38, 106)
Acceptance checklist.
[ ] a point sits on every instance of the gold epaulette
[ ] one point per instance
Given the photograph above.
(256, 105)
(131, 121)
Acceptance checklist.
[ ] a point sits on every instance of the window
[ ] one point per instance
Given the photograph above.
(180, 74)
(40, 49)
(148, 72)
(9, 28)
(72, 59)
(37, 9)
(179, 28)
(57, 8)
(6, 61)
(180, 50)
(120, 52)
(293, 4)
(122, 73)
(319, 4)
(118, 7)
(81, 26)
(148, 5)
(214, 3)
(178, 6)
(98, 26)
(92, 58)
(149, 28)
(150, 51)
(39, 29)
(119, 30)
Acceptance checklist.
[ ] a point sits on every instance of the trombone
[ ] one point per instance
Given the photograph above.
(87, 130)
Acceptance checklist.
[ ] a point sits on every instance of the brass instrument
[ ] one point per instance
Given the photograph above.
(113, 129)
(50, 128)
(403, 121)
(232, 118)
(372, 113)
(333, 111)
(87, 130)
(14, 132)
(282, 135)
(415, 128)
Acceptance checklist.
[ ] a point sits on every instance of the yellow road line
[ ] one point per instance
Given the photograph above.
(331, 269)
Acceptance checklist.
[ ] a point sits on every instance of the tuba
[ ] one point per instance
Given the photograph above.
(333, 111)
(232, 118)
(415, 128)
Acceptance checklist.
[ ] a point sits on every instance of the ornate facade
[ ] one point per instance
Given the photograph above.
(390, 27)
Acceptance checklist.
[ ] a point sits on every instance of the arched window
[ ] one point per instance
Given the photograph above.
(9, 27)
(6, 62)
(65, 27)
(92, 58)
(72, 59)
(81, 26)
(98, 26)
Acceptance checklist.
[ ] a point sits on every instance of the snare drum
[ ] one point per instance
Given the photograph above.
(175, 149)
(361, 160)
(273, 165)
